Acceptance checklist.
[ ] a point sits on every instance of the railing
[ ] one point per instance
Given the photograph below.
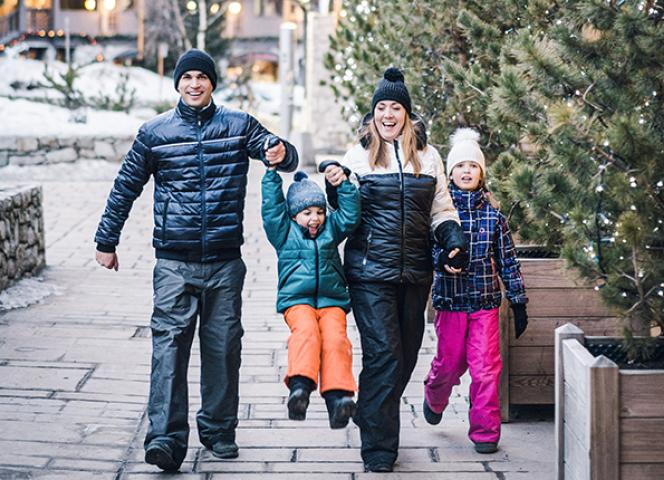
(8, 24)
(39, 20)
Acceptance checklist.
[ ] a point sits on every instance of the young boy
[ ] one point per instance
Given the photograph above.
(312, 291)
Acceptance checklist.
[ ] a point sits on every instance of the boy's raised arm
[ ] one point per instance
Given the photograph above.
(274, 209)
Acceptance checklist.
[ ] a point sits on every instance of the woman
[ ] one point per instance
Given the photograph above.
(388, 258)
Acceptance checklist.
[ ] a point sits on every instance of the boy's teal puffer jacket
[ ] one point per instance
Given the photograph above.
(310, 270)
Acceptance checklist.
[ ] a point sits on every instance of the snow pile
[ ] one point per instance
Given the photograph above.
(27, 292)
(25, 118)
(24, 78)
(26, 105)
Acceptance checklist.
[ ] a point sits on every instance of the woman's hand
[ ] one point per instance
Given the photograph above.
(449, 269)
(335, 175)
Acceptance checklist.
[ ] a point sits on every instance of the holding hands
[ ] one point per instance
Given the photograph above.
(335, 175)
(274, 151)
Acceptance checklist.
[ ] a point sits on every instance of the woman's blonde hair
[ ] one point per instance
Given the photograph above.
(377, 148)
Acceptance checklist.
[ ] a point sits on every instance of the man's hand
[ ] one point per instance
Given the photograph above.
(335, 175)
(276, 154)
(107, 260)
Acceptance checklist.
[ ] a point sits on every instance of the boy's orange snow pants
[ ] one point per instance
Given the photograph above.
(318, 344)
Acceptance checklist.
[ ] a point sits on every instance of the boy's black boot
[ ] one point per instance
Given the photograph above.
(340, 407)
(298, 400)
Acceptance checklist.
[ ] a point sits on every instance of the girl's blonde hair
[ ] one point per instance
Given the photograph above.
(376, 147)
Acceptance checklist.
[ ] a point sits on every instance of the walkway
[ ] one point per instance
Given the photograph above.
(74, 371)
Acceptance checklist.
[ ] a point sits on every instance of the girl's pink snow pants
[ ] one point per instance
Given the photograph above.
(468, 341)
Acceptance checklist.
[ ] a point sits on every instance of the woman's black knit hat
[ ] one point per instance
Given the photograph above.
(391, 87)
(194, 59)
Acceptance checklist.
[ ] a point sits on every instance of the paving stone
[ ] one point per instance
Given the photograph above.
(283, 476)
(397, 475)
(87, 465)
(40, 378)
(17, 460)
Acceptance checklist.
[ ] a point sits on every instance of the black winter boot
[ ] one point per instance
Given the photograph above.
(340, 407)
(298, 400)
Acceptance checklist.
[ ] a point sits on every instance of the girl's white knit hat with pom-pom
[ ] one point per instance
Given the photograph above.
(465, 146)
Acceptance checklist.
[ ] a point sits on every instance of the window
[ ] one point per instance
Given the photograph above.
(38, 4)
(72, 4)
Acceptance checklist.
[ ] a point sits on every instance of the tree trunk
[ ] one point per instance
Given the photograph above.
(180, 23)
(202, 24)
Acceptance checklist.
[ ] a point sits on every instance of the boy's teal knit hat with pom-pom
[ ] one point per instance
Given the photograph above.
(304, 193)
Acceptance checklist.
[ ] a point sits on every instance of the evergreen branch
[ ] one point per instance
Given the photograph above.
(512, 207)
(588, 102)
(620, 163)
(481, 92)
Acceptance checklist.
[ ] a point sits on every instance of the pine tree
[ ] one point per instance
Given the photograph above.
(164, 24)
(170, 22)
(588, 96)
(214, 24)
(412, 35)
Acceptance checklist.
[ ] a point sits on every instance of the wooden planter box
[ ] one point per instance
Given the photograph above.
(556, 296)
(609, 422)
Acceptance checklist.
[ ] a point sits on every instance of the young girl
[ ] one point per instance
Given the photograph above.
(312, 292)
(467, 303)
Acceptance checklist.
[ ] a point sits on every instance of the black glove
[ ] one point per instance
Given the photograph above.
(460, 260)
(520, 318)
(449, 235)
(326, 163)
(270, 141)
(330, 191)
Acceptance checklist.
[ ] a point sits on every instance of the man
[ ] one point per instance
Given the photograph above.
(198, 154)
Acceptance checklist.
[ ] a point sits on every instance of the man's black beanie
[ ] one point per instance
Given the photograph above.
(195, 59)
(392, 87)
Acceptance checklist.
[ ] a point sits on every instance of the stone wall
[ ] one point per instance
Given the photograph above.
(22, 246)
(46, 150)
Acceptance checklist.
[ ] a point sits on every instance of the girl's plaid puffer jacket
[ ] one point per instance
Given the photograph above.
(492, 254)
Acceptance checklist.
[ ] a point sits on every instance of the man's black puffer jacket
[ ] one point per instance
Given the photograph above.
(200, 160)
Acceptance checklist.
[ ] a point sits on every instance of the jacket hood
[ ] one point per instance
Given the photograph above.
(418, 123)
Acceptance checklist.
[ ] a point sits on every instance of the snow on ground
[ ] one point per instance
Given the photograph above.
(25, 118)
(27, 292)
(23, 80)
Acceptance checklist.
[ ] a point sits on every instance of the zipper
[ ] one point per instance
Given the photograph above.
(316, 288)
(470, 244)
(163, 220)
(203, 203)
(403, 208)
(366, 250)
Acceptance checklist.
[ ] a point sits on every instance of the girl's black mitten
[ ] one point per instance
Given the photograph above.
(520, 318)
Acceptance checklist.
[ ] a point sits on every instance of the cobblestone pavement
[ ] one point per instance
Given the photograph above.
(74, 373)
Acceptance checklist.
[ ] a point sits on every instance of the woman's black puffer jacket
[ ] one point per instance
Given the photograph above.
(399, 209)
